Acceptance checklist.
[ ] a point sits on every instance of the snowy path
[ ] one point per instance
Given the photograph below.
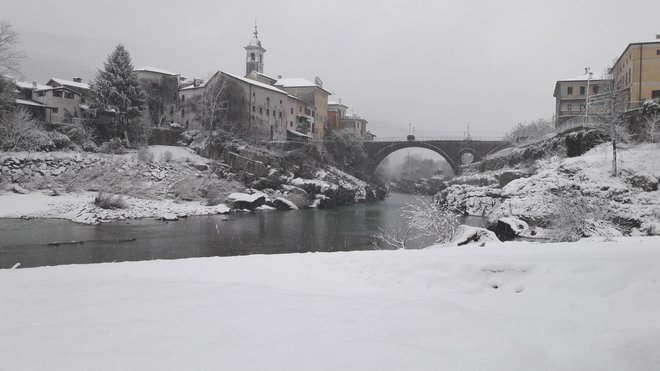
(585, 306)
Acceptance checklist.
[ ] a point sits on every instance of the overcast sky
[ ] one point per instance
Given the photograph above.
(435, 64)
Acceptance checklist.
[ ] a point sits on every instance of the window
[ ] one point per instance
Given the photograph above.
(569, 90)
(280, 102)
(291, 124)
(55, 109)
(657, 52)
(40, 94)
(172, 110)
(569, 108)
(268, 101)
(68, 95)
(581, 90)
(183, 98)
(252, 57)
(261, 111)
(187, 122)
(183, 112)
(595, 89)
(57, 93)
(582, 105)
(292, 110)
(254, 108)
(655, 94)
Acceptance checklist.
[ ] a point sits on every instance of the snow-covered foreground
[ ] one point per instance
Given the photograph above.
(515, 306)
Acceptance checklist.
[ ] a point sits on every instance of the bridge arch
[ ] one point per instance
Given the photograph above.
(379, 156)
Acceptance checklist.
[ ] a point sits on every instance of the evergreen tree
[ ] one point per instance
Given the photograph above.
(116, 89)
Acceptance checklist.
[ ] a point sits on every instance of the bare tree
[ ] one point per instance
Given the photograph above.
(214, 102)
(9, 56)
(396, 236)
(609, 108)
(651, 125)
(18, 131)
(429, 218)
(423, 218)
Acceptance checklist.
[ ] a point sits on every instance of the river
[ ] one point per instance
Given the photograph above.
(40, 242)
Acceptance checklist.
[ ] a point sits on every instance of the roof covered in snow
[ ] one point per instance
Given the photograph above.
(156, 70)
(73, 84)
(29, 103)
(255, 83)
(594, 76)
(29, 85)
(295, 82)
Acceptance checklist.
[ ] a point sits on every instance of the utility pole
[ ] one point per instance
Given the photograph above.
(586, 102)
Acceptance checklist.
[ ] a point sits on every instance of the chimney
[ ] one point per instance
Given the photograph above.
(279, 76)
(77, 79)
(657, 36)
(34, 85)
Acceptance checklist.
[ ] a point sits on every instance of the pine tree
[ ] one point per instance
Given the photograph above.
(116, 89)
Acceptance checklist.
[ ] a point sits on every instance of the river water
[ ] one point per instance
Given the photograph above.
(40, 242)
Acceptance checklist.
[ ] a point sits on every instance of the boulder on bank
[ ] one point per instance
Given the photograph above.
(508, 228)
(246, 201)
(20, 190)
(169, 217)
(466, 235)
(281, 203)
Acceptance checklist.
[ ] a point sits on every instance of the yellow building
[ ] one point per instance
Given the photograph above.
(636, 73)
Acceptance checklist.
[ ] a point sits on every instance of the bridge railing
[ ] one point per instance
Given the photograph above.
(429, 139)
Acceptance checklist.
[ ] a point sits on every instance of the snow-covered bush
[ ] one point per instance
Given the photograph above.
(423, 218)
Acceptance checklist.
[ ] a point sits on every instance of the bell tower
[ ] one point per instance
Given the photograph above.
(254, 54)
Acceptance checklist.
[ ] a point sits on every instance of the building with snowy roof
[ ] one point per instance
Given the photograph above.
(161, 88)
(571, 95)
(313, 93)
(247, 107)
(75, 84)
(54, 102)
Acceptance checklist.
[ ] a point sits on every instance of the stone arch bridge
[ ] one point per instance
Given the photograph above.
(457, 152)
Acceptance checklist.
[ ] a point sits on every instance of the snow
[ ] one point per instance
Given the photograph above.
(79, 207)
(80, 85)
(466, 234)
(29, 85)
(591, 305)
(29, 103)
(244, 197)
(255, 83)
(294, 82)
(156, 70)
(594, 77)
(591, 176)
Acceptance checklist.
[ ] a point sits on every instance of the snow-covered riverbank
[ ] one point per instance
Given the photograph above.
(630, 201)
(514, 306)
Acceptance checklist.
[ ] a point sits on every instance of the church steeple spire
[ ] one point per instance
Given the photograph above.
(255, 54)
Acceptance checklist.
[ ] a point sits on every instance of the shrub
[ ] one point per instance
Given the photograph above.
(572, 215)
(81, 135)
(110, 201)
(60, 141)
(19, 131)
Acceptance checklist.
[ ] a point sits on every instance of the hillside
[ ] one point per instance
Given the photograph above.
(554, 190)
